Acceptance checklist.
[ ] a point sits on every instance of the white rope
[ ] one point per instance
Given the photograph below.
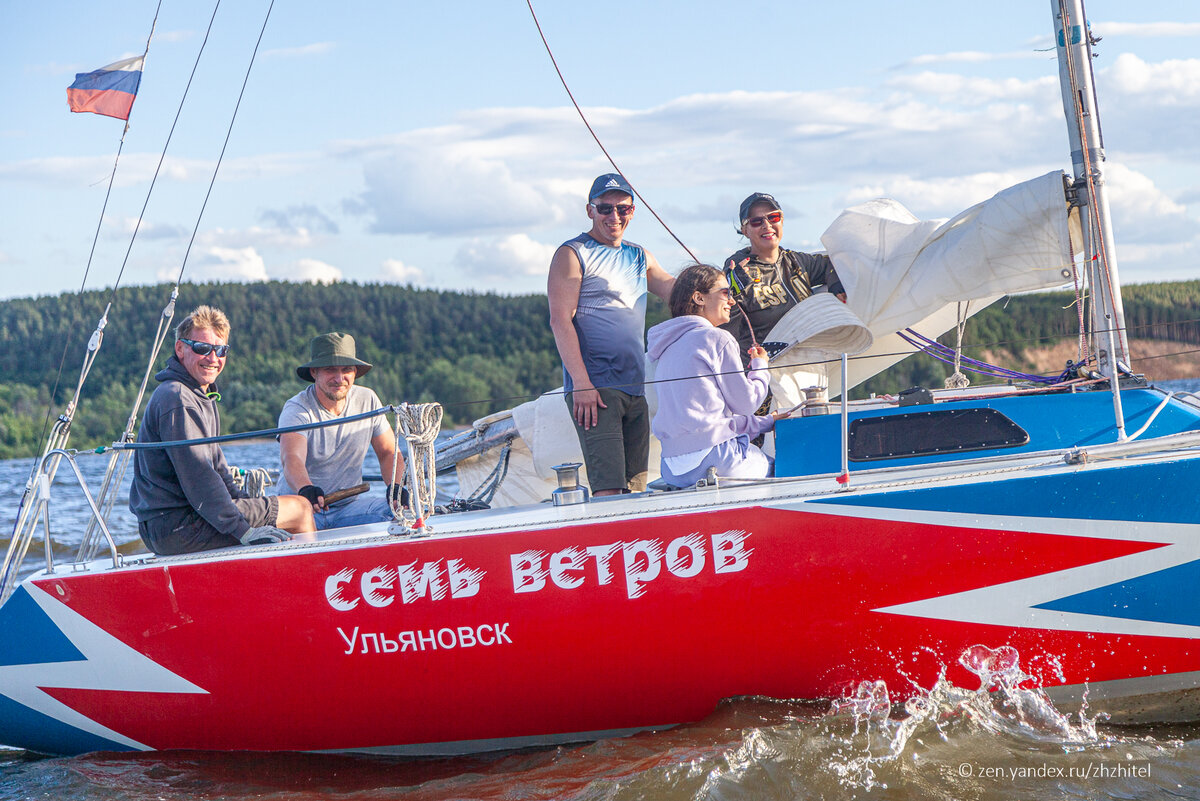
(253, 482)
(420, 424)
(958, 380)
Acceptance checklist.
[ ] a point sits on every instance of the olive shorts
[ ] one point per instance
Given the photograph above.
(616, 450)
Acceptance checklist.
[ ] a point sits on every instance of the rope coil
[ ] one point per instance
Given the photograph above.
(419, 424)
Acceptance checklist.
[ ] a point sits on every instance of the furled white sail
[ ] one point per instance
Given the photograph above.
(900, 272)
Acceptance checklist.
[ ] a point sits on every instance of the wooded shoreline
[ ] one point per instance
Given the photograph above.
(475, 353)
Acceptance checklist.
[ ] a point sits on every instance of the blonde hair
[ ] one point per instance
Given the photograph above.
(204, 317)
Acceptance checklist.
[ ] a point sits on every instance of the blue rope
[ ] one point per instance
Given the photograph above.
(944, 353)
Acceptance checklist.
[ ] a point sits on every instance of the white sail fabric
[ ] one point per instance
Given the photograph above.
(819, 331)
(900, 272)
(547, 439)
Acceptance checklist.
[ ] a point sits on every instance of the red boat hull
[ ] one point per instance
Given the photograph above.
(460, 643)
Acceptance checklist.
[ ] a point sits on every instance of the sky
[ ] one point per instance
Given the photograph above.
(432, 144)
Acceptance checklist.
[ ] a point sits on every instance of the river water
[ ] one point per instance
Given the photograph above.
(952, 743)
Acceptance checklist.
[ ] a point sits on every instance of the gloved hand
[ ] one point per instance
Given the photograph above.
(398, 492)
(265, 535)
(310, 493)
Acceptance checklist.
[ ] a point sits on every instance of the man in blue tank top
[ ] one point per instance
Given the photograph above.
(597, 291)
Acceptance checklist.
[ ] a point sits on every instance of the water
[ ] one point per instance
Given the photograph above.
(947, 742)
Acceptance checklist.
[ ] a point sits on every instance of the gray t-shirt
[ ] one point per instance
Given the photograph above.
(335, 453)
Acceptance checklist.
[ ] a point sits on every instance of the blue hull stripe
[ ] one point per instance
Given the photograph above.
(1157, 493)
(33, 731)
(29, 636)
(1151, 597)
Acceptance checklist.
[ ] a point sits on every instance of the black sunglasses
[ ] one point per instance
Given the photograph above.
(205, 348)
(605, 209)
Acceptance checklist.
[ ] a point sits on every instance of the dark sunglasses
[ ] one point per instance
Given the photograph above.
(605, 209)
(759, 222)
(205, 348)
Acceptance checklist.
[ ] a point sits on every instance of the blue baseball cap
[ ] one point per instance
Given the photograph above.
(610, 182)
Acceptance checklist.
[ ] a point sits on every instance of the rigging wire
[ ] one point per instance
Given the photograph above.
(228, 133)
(96, 238)
(600, 144)
(1090, 172)
(162, 156)
(118, 464)
(604, 150)
(982, 367)
(120, 146)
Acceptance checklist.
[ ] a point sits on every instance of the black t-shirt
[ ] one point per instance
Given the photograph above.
(767, 291)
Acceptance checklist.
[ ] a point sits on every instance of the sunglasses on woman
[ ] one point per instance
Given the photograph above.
(759, 222)
(205, 348)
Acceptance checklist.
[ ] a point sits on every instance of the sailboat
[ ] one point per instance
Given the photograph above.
(898, 534)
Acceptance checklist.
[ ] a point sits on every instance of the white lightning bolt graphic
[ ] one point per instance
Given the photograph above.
(1012, 603)
(108, 664)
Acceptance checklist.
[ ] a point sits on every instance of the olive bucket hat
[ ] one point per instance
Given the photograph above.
(332, 350)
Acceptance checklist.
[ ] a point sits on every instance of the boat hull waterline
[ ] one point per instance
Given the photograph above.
(545, 625)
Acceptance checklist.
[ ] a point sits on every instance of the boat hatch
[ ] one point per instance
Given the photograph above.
(931, 433)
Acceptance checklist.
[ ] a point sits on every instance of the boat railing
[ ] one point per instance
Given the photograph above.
(417, 424)
(38, 510)
(1190, 398)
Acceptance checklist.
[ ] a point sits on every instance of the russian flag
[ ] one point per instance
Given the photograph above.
(109, 90)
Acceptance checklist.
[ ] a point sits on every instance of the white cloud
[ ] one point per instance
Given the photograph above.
(138, 168)
(256, 236)
(969, 57)
(971, 91)
(939, 197)
(520, 169)
(125, 226)
(1143, 214)
(466, 186)
(498, 259)
(1140, 263)
(1146, 29)
(303, 216)
(396, 271)
(448, 189)
(225, 264)
(312, 271)
(1167, 83)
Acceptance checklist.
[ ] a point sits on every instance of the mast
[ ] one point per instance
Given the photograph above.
(1074, 49)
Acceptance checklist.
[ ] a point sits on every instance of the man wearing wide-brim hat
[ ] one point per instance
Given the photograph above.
(320, 461)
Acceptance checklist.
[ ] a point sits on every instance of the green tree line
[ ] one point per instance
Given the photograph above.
(475, 353)
(1004, 331)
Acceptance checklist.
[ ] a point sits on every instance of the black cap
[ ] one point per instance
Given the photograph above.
(757, 197)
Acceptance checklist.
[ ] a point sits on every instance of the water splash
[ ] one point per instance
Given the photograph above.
(1008, 703)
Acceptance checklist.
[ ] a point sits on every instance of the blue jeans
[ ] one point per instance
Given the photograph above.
(354, 512)
(733, 458)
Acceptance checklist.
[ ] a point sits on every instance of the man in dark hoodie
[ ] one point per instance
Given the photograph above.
(184, 497)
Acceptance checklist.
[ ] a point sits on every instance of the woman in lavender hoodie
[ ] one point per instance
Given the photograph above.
(706, 403)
